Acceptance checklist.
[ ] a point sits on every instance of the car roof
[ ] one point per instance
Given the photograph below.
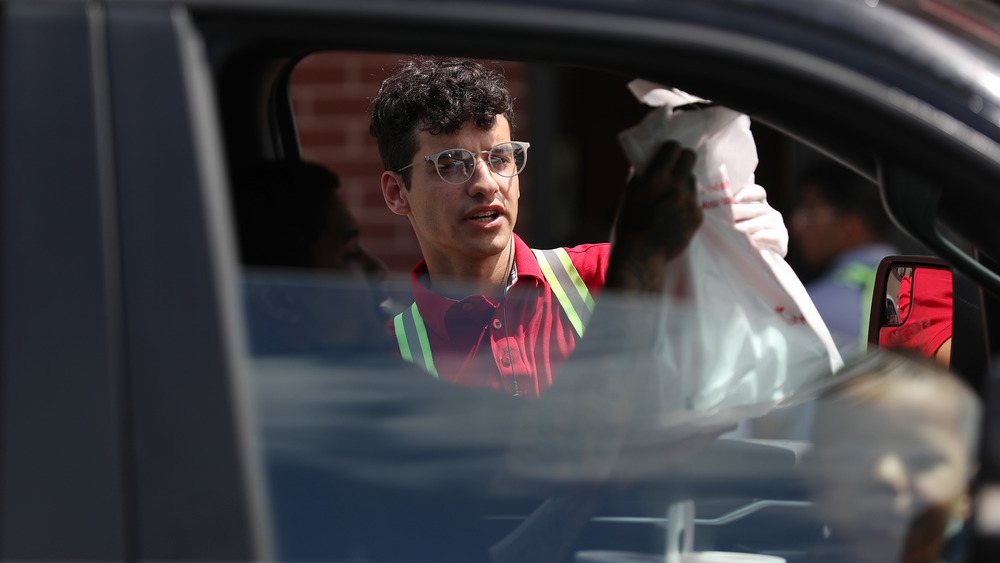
(954, 45)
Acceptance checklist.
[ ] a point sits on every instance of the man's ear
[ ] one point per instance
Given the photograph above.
(394, 193)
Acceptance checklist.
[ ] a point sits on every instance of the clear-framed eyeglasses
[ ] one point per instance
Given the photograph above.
(456, 166)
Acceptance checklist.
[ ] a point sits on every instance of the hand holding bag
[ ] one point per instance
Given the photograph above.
(738, 333)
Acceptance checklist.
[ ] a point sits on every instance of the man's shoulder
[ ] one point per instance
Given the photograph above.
(589, 249)
(830, 288)
(869, 255)
(590, 257)
(590, 260)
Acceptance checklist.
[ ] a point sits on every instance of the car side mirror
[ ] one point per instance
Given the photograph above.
(912, 306)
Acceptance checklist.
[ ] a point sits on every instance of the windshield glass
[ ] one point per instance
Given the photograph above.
(370, 457)
(656, 361)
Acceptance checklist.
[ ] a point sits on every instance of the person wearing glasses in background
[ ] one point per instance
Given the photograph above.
(841, 234)
(488, 310)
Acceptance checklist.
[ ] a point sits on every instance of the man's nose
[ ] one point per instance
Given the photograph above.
(482, 180)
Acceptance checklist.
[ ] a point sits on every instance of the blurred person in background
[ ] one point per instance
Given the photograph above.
(292, 220)
(839, 230)
(894, 453)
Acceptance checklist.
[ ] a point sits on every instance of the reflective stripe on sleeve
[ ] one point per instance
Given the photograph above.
(567, 285)
(563, 278)
(409, 327)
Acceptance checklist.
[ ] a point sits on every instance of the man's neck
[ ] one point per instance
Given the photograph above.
(458, 280)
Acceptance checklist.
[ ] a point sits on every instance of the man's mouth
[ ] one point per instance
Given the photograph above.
(485, 216)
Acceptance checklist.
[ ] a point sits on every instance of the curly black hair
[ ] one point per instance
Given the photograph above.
(437, 95)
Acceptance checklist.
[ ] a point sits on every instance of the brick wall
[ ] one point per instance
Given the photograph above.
(331, 93)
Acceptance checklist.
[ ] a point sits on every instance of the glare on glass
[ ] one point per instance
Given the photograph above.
(456, 166)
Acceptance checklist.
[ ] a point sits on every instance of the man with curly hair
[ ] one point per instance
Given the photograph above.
(489, 311)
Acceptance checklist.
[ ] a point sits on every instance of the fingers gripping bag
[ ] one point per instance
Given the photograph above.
(738, 334)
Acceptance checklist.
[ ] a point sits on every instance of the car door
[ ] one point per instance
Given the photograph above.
(63, 466)
(128, 430)
(875, 114)
(194, 480)
(121, 424)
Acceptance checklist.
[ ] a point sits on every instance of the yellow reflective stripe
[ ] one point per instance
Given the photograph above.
(425, 343)
(568, 287)
(574, 276)
(404, 345)
(866, 313)
(863, 277)
(409, 325)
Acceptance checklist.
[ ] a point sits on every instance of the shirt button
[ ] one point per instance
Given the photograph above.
(466, 307)
(505, 360)
(497, 324)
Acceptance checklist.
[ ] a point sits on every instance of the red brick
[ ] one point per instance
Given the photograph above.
(309, 75)
(326, 137)
(342, 106)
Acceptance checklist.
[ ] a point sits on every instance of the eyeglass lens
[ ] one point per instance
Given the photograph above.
(458, 165)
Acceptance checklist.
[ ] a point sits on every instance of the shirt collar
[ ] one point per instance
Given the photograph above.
(525, 262)
(434, 307)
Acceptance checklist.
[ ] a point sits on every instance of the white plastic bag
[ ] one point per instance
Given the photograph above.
(738, 332)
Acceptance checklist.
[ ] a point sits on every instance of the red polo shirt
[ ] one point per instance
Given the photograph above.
(478, 343)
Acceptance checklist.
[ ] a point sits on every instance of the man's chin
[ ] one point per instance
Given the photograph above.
(495, 245)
